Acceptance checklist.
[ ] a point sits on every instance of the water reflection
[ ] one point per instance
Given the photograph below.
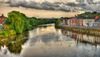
(13, 43)
(51, 42)
(94, 40)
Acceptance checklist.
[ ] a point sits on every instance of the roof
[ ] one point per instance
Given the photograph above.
(2, 16)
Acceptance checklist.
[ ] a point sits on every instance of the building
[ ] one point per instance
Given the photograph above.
(2, 19)
(78, 22)
(88, 22)
(72, 22)
(97, 22)
(97, 19)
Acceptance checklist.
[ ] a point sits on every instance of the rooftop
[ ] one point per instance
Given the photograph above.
(2, 16)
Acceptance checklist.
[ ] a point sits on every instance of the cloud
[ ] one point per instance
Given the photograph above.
(91, 7)
(44, 5)
(4, 1)
(53, 6)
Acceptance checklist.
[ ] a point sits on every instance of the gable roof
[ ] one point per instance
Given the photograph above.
(2, 16)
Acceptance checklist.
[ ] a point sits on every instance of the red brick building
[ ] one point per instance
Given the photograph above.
(73, 21)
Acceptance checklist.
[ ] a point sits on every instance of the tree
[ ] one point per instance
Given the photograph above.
(17, 21)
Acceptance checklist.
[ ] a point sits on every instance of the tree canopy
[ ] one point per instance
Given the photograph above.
(88, 15)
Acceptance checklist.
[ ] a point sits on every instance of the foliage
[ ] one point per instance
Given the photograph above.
(15, 24)
(20, 23)
(88, 15)
(14, 43)
(57, 22)
(8, 33)
(17, 21)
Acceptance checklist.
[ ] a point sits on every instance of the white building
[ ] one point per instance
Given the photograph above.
(88, 22)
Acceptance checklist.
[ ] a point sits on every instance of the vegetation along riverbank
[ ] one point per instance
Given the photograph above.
(17, 23)
(15, 27)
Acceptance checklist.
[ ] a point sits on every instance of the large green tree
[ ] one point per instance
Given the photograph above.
(17, 21)
(20, 23)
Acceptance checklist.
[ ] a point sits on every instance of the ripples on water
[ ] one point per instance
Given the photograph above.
(51, 42)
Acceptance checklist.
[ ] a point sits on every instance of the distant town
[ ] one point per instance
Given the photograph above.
(83, 20)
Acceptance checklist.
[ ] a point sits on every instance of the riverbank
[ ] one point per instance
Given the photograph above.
(16, 26)
(82, 30)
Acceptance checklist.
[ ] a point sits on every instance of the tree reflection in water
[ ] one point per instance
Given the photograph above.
(14, 43)
(51, 42)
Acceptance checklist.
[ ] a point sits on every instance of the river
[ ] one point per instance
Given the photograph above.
(51, 42)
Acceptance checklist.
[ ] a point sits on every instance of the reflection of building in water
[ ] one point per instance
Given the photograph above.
(83, 38)
(66, 33)
(60, 35)
(88, 39)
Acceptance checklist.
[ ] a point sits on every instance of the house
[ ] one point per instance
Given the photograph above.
(88, 22)
(78, 22)
(2, 19)
(97, 19)
(70, 21)
(97, 22)
(73, 21)
(81, 22)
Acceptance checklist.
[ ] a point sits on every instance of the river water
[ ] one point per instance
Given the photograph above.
(51, 42)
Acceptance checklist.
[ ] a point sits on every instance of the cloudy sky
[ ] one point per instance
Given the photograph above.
(57, 8)
(42, 0)
(38, 8)
(62, 5)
